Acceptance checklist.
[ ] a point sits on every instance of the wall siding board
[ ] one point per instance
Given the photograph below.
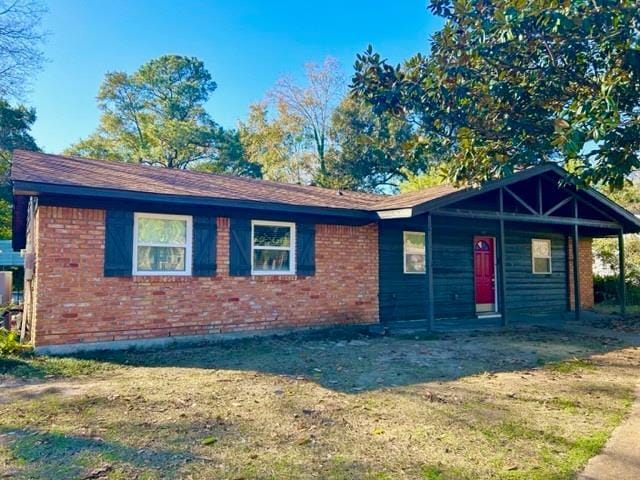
(526, 291)
(404, 297)
(453, 264)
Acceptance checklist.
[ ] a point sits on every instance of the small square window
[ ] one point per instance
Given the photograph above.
(541, 255)
(162, 244)
(272, 248)
(414, 252)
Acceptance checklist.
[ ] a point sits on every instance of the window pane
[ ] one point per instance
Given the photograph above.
(271, 236)
(161, 230)
(161, 259)
(542, 265)
(414, 243)
(415, 263)
(541, 248)
(270, 260)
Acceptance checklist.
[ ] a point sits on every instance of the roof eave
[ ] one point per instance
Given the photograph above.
(394, 213)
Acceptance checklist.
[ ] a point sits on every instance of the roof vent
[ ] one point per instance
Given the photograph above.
(339, 192)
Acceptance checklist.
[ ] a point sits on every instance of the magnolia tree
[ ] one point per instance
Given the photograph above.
(513, 83)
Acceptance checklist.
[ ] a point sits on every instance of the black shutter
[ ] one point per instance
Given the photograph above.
(204, 247)
(240, 247)
(306, 249)
(118, 243)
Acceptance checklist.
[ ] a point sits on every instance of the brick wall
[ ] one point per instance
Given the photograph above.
(75, 303)
(586, 273)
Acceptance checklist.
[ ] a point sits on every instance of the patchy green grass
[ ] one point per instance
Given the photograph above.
(573, 365)
(511, 406)
(38, 367)
(613, 308)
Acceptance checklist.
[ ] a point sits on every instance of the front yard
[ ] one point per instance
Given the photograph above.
(529, 405)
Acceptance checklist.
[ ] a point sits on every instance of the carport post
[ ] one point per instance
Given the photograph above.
(429, 275)
(576, 263)
(621, 271)
(502, 274)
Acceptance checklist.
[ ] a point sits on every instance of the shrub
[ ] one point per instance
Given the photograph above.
(607, 289)
(10, 343)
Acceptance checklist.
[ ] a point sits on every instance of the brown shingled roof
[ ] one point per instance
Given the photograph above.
(81, 172)
(411, 199)
(60, 170)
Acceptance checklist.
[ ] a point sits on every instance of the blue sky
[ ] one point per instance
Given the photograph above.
(245, 44)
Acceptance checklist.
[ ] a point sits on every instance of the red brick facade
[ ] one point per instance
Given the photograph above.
(74, 303)
(586, 273)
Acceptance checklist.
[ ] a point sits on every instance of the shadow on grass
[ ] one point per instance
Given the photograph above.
(54, 455)
(21, 367)
(353, 362)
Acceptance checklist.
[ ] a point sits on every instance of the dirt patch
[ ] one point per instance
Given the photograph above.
(533, 404)
(14, 391)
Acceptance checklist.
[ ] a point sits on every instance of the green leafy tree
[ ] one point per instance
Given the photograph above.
(372, 150)
(279, 144)
(431, 178)
(156, 116)
(513, 83)
(605, 250)
(230, 158)
(296, 141)
(15, 126)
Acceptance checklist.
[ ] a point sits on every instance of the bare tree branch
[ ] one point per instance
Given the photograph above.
(20, 42)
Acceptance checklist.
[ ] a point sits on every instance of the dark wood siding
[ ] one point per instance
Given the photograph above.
(530, 293)
(402, 296)
(453, 286)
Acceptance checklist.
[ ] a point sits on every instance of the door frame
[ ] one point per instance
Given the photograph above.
(496, 305)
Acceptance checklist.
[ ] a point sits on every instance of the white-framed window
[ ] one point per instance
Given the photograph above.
(161, 244)
(414, 252)
(273, 248)
(541, 255)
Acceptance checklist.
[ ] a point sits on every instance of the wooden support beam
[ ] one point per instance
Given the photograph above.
(502, 273)
(576, 264)
(558, 205)
(540, 207)
(430, 307)
(595, 207)
(622, 276)
(517, 217)
(520, 200)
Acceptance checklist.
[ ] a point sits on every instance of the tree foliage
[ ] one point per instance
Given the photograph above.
(15, 126)
(20, 41)
(432, 178)
(371, 149)
(313, 133)
(230, 157)
(279, 144)
(157, 116)
(514, 83)
(312, 107)
(605, 250)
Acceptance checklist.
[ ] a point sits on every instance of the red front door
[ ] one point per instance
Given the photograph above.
(484, 273)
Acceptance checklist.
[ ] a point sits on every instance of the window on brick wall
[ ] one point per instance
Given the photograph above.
(272, 248)
(541, 255)
(414, 252)
(162, 244)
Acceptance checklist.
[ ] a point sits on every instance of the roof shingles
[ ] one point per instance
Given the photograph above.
(41, 168)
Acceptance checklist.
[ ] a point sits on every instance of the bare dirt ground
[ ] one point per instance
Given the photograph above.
(533, 404)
